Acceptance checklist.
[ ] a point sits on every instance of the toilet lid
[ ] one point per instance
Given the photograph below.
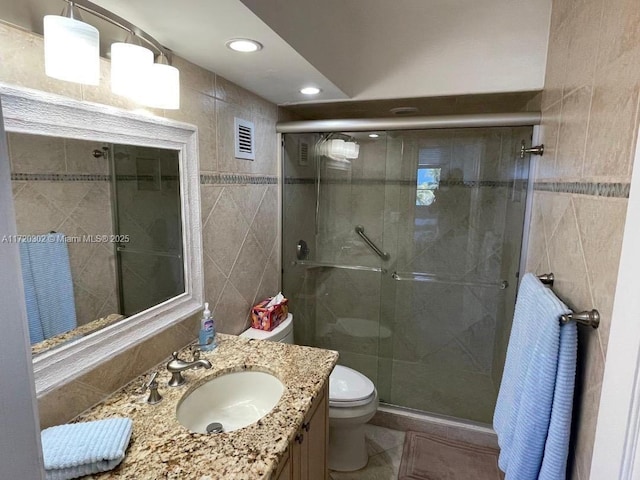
(275, 335)
(348, 385)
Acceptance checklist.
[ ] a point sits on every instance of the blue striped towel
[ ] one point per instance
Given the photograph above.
(75, 450)
(33, 314)
(533, 413)
(52, 283)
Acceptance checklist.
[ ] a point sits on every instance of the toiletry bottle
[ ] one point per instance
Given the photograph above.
(207, 337)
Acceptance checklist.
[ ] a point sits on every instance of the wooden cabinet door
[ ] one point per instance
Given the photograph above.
(310, 447)
(296, 458)
(315, 441)
(284, 470)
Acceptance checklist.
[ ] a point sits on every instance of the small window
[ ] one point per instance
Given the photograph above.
(428, 182)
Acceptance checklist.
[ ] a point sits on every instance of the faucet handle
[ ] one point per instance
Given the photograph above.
(152, 386)
(152, 380)
(196, 349)
(195, 352)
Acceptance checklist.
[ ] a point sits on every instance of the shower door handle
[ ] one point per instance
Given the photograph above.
(372, 246)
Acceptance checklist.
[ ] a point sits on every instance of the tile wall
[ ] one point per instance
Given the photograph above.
(239, 207)
(589, 125)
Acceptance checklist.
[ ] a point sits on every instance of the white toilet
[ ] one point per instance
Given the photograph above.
(353, 400)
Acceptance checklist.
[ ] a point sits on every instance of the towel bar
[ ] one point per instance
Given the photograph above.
(588, 318)
(546, 279)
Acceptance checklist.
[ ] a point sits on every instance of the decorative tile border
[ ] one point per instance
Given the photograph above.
(379, 181)
(205, 179)
(612, 190)
(148, 178)
(480, 183)
(59, 177)
(237, 179)
(299, 181)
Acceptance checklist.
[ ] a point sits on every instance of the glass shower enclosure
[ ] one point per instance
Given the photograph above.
(405, 259)
(147, 217)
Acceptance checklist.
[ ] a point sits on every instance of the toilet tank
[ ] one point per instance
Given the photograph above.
(283, 333)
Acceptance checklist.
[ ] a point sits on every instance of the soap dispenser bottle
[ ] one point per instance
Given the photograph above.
(207, 337)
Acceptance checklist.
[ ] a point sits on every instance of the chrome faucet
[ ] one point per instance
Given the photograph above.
(176, 366)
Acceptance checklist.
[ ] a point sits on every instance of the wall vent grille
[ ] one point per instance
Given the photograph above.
(244, 139)
(303, 159)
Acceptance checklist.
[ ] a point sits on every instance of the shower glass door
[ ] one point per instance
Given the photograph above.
(147, 218)
(334, 288)
(428, 325)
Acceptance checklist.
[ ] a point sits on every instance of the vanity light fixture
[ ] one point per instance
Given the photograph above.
(130, 63)
(71, 47)
(373, 135)
(310, 90)
(72, 53)
(163, 85)
(244, 45)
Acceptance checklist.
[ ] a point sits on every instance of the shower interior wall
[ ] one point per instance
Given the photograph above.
(428, 346)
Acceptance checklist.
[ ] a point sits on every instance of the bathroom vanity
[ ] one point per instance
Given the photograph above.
(288, 443)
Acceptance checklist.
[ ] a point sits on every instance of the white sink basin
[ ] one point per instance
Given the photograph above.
(235, 400)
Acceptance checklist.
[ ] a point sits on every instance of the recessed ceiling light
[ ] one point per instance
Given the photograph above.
(244, 45)
(373, 135)
(310, 90)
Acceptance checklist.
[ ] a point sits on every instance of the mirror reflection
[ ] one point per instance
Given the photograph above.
(99, 230)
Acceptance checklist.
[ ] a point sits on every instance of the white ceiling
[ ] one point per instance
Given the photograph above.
(351, 49)
(198, 30)
(376, 49)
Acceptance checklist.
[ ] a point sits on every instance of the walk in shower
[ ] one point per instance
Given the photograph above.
(401, 250)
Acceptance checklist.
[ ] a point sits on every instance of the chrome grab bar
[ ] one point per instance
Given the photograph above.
(307, 263)
(372, 246)
(430, 277)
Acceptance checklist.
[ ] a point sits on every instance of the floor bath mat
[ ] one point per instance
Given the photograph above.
(428, 457)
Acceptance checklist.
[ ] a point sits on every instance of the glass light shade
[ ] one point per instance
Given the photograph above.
(71, 50)
(162, 89)
(129, 66)
(336, 149)
(351, 150)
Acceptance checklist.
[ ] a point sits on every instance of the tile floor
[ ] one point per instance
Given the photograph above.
(385, 452)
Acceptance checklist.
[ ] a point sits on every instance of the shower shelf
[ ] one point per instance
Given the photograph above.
(429, 277)
(307, 263)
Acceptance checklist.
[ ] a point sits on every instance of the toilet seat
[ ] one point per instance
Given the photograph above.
(349, 388)
(352, 403)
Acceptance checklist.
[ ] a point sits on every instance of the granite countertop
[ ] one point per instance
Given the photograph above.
(80, 331)
(161, 448)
